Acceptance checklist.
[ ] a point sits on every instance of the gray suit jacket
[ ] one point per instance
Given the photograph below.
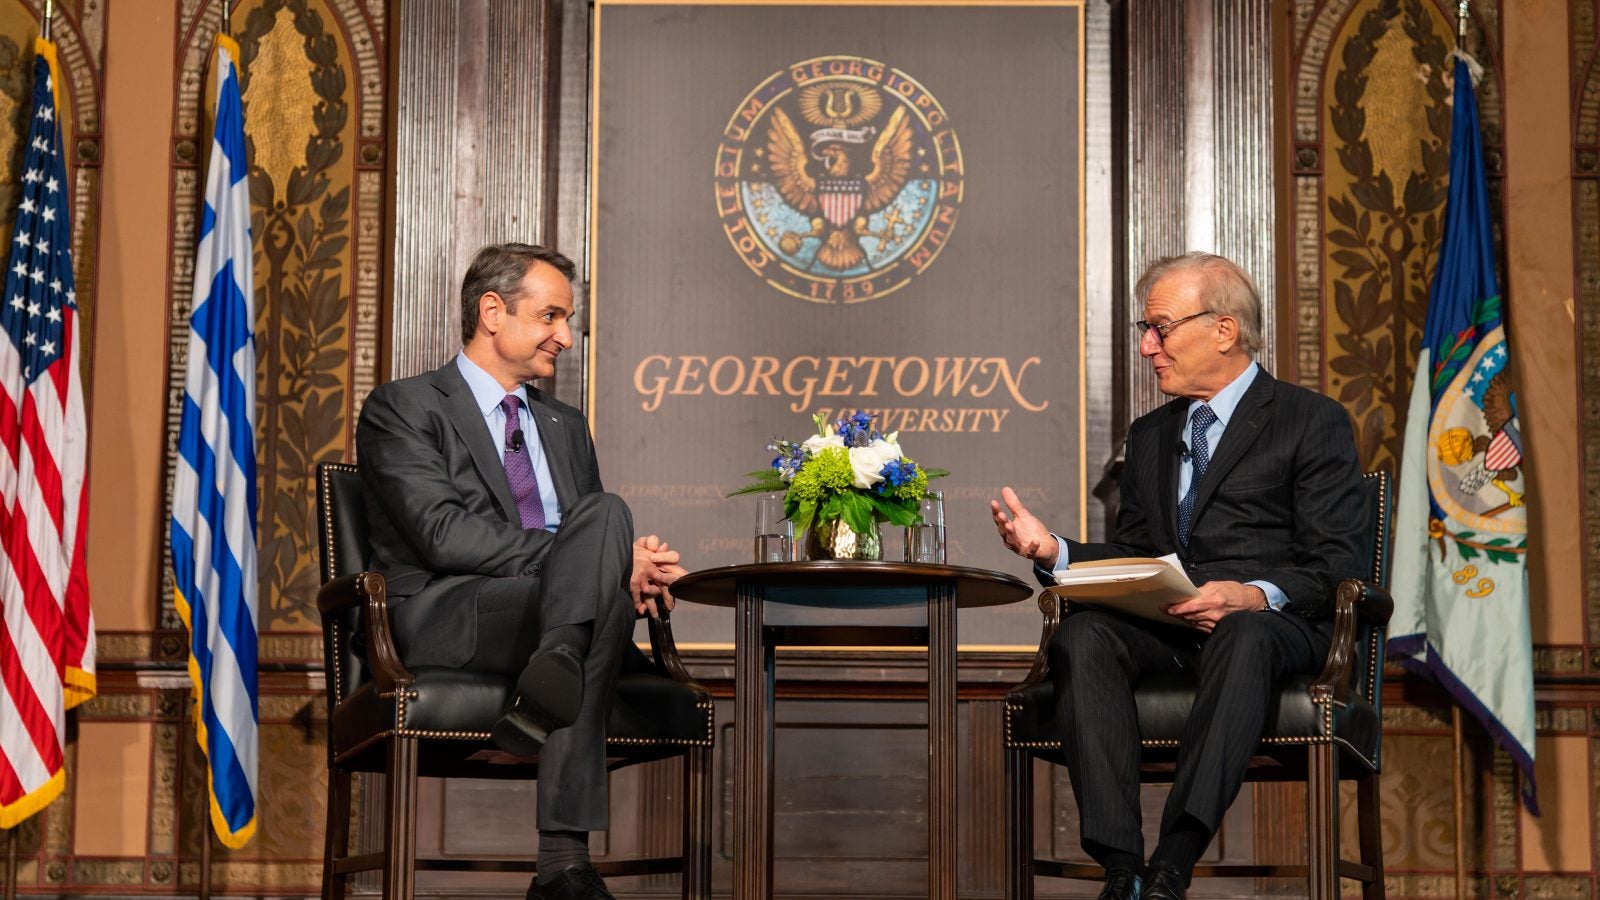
(440, 510)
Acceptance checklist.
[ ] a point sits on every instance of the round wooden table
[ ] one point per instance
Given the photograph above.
(841, 603)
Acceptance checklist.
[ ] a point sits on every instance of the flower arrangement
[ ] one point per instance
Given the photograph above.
(846, 473)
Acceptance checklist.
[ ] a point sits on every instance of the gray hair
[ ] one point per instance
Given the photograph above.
(500, 268)
(1228, 290)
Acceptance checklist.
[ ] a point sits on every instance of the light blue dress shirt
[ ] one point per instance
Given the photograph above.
(1223, 405)
(488, 394)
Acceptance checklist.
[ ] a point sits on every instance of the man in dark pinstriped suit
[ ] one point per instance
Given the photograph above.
(1254, 484)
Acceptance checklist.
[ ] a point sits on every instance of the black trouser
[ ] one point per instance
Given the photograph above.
(1098, 658)
(584, 579)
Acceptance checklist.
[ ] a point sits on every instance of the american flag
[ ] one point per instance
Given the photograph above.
(47, 633)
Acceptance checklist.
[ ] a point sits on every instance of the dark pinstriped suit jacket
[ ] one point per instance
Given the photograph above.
(440, 509)
(1280, 501)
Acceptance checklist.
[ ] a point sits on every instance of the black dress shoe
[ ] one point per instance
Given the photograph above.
(579, 882)
(549, 695)
(1121, 884)
(1163, 882)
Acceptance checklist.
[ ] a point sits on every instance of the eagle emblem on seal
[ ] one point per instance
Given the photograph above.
(839, 179)
(849, 181)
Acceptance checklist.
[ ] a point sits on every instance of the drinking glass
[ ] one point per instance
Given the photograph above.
(774, 532)
(925, 540)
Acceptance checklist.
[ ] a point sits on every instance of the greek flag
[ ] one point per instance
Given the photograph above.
(1460, 579)
(214, 488)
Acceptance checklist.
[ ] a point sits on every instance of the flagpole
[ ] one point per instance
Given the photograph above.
(1460, 801)
(1457, 749)
(49, 13)
(11, 862)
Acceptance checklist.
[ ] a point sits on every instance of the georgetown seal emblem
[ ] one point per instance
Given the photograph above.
(838, 179)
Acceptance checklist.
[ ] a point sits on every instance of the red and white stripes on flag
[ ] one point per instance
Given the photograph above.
(47, 631)
(1502, 453)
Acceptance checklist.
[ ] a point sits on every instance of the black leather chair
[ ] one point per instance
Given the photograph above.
(1324, 728)
(429, 721)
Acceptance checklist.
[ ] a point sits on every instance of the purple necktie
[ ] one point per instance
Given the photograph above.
(519, 467)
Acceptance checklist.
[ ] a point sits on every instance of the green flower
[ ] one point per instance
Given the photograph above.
(833, 468)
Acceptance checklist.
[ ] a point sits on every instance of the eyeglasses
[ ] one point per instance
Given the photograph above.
(1165, 328)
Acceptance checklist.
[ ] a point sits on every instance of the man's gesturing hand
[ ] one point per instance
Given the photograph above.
(1218, 599)
(1022, 531)
(655, 568)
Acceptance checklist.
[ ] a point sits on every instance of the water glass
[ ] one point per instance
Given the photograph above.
(925, 540)
(774, 532)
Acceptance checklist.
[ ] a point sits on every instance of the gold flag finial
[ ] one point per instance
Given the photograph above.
(49, 13)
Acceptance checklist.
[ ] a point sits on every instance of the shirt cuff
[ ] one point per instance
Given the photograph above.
(1276, 599)
(1061, 560)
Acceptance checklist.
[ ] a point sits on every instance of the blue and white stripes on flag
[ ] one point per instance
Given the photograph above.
(214, 487)
(1459, 579)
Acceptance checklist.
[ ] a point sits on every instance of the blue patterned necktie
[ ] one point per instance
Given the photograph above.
(1200, 457)
(519, 468)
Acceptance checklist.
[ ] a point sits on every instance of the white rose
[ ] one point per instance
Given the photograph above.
(867, 462)
(819, 442)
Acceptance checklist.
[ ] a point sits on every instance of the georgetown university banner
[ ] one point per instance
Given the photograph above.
(814, 209)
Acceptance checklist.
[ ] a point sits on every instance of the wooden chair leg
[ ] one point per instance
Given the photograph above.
(1019, 825)
(336, 843)
(1369, 822)
(400, 831)
(1322, 822)
(697, 824)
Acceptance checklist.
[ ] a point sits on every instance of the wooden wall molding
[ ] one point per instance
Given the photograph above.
(473, 93)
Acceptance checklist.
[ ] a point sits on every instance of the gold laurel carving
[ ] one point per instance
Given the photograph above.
(301, 225)
(284, 99)
(1385, 185)
(15, 78)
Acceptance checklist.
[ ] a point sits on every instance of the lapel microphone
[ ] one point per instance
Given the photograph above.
(516, 442)
(1182, 449)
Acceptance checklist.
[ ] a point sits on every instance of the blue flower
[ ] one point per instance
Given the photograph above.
(896, 472)
(790, 458)
(856, 429)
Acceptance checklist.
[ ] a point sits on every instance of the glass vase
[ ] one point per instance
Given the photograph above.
(835, 539)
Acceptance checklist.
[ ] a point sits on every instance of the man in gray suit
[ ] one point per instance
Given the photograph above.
(1253, 483)
(501, 550)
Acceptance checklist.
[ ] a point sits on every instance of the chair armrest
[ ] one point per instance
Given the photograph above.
(665, 651)
(1352, 600)
(371, 592)
(1374, 606)
(1050, 606)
